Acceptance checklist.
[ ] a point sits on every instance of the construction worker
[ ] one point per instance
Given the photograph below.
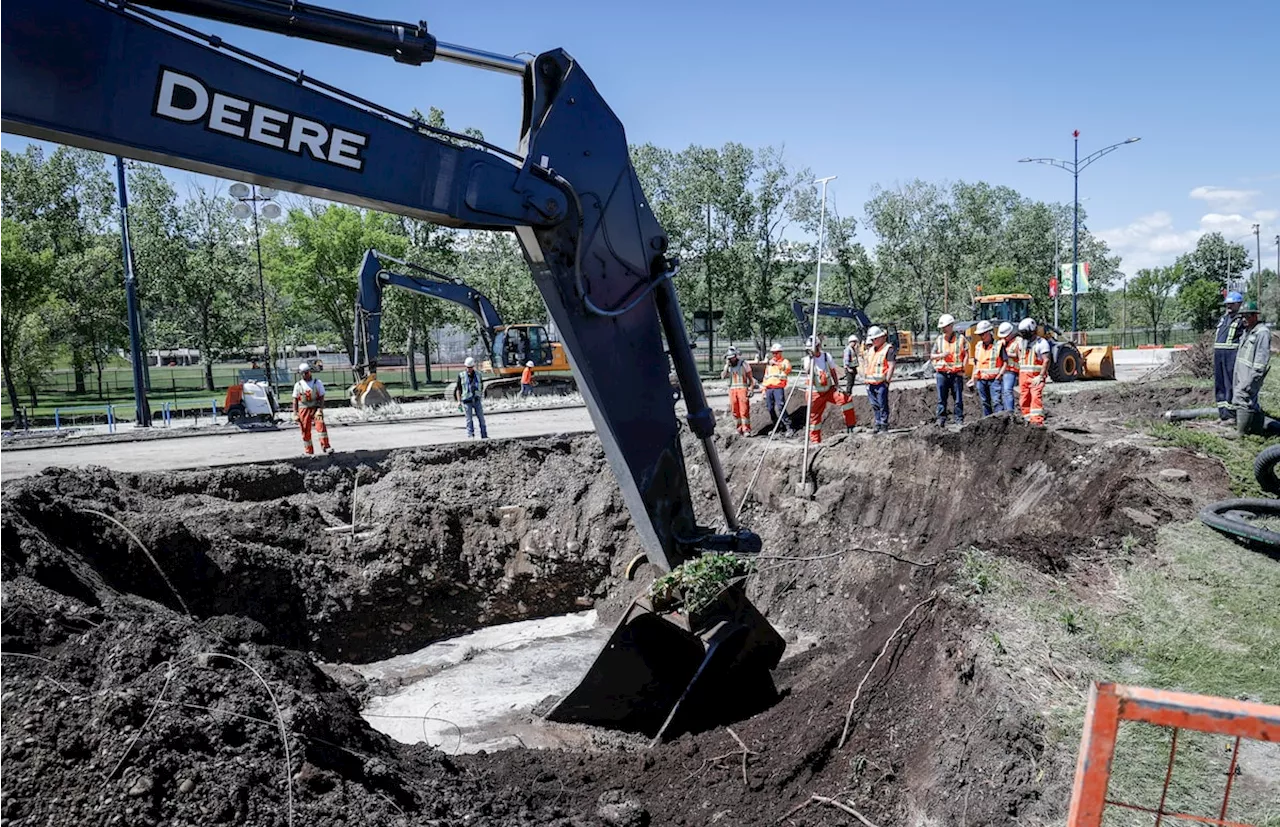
(468, 392)
(526, 380)
(880, 357)
(950, 353)
(1009, 342)
(1225, 344)
(776, 371)
(1033, 371)
(308, 409)
(850, 363)
(823, 381)
(741, 382)
(1252, 363)
(988, 367)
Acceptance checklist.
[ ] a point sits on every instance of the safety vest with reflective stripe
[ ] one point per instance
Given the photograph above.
(1009, 352)
(877, 364)
(949, 357)
(822, 368)
(1229, 332)
(775, 373)
(739, 375)
(987, 362)
(1249, 349)
(1028, 360)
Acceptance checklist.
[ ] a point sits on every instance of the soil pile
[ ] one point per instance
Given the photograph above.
(136, 695)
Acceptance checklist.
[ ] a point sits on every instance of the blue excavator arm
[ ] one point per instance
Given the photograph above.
(119, 78)
(804, 316)
(374, 275)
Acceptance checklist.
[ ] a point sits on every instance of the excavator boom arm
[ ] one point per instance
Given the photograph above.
(804, 316)
(374, 275)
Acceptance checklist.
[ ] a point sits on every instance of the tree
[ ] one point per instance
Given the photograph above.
(1153, 289)
(314, 256)
(24, 288)
(910, 221)
(209, 287)
(1215, 259)
(1200, 303)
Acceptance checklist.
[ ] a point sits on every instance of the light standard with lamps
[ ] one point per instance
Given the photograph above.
(1074, 167)
(817, 287)
(247, 199)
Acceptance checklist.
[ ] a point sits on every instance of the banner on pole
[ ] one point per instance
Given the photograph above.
(1082, 278)
(1053, 287)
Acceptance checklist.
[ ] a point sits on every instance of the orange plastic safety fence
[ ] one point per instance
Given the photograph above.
(1109, 704)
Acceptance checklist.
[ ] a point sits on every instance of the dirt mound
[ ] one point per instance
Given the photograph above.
(450, 539)
(1135, 400)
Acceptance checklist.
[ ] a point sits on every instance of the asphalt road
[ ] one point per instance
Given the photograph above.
(247, 447)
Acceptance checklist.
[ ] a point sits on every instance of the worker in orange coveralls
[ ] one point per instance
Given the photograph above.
(308, 409)
(820, 368)
(741, 382)
(1033, 371)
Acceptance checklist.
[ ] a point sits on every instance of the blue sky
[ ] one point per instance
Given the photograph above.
(884, 92)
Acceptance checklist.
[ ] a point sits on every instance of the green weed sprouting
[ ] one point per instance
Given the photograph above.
(694, 584)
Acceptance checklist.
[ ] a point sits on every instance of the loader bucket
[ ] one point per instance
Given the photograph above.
(666, 674)
(1099, 362)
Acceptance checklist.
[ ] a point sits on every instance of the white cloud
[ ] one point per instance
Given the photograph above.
(1224, 198)
(1154, 240)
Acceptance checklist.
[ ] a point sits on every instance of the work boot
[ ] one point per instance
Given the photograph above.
(849, 429)
(942, 422)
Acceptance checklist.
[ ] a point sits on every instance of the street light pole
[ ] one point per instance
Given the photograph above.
(706, 266)
(1075, 167)
(1257, 267)
(142, 410)
(249, 198)
(817, 287)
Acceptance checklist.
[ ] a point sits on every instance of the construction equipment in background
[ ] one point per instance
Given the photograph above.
(252, 399)
(903, 340)
(1069, 361)
(510, 347)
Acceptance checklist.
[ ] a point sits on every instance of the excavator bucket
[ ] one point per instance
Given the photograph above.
(369, 393)
(666, 674)
(1099, 362)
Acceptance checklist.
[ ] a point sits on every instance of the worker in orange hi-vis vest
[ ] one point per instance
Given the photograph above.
(776, 372)
(950, 353)
(526, 380)
(741, 382)
(1033, 371)
(308, 409)
(988, 365)
(820, 370)
(1009, 348)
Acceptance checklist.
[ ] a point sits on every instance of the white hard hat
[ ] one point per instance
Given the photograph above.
(812, 341)
(1026, 325)
(984, 326)
(1005, 329)
(853, 337)
(732, 351)
(945, 319)
(528, 364)
(304, 367)
(469, 362)
(875, 333)
(777, 348)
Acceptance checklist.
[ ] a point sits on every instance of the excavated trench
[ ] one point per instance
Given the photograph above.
(126, 706)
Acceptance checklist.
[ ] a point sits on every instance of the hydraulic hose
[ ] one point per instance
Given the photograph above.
(1227, 516)
(1264, 469)
(1190, 413)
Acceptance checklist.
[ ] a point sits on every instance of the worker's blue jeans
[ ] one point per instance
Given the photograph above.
(1009, 391)
(878, 395)
(475, 409)
(989, 395)
(776, 401)
(950, 385)
(526, 390)
(1224, 368)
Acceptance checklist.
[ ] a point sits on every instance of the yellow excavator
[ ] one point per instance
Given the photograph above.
(510, 347)
(1069, 361)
